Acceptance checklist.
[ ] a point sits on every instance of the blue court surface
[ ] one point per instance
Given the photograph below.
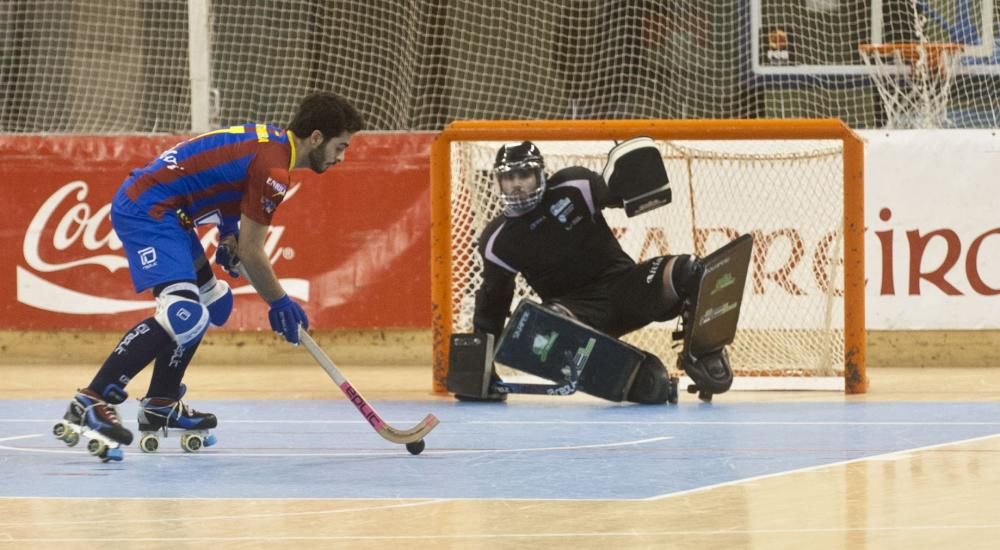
(569, 449)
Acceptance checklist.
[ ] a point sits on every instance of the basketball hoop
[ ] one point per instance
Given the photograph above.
(913, 80)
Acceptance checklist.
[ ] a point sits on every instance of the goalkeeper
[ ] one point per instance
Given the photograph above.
(552, 231)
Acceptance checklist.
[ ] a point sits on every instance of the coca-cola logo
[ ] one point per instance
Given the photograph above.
(80, 224)
(83, 232)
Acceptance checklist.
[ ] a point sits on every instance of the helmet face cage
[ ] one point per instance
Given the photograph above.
(518, 159)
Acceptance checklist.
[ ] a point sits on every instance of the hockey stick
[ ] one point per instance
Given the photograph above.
(408, 437)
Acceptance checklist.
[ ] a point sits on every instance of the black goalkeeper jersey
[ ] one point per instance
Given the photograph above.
(563, 247)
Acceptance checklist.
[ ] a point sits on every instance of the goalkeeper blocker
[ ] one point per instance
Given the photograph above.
(544, 342)
(635, 172)
(709, 324)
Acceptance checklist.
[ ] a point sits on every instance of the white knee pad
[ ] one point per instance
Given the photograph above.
(184, 319)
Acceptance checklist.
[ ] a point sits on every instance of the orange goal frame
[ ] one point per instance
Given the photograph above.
(855, 345)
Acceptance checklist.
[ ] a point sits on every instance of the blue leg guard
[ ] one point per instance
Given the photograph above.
(217, 297)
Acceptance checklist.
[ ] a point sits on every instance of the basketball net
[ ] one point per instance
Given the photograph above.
(914, 81)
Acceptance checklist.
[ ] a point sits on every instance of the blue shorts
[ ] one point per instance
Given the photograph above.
(158, 251)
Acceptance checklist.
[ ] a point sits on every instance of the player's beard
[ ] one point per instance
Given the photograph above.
(317, 161)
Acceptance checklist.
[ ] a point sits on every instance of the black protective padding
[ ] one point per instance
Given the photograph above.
(470, 364)
(541, 341)
(711, 373)
(635, 172)
(717, 309)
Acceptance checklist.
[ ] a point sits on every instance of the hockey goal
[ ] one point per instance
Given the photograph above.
(797, 185)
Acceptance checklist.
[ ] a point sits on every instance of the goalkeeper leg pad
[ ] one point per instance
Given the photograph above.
(542, 341)
(710, 323)
(653, 384)
(470, 367)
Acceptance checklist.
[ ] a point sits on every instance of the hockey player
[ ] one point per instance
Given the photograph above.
(234, 178)
(552, 232)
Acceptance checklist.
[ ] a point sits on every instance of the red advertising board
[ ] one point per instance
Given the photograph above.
(351, 244)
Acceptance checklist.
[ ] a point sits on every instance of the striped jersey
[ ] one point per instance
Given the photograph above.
(216, 177)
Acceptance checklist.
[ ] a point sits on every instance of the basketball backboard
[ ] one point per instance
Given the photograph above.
(821, 37)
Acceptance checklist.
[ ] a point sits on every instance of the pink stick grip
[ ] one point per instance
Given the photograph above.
(370, 415)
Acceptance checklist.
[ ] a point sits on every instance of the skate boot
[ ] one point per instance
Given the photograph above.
(95, 417)
(159, 414)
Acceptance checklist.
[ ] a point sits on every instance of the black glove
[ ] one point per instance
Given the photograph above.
(227, 258)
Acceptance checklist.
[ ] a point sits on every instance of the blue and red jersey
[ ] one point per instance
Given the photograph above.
(215, 178)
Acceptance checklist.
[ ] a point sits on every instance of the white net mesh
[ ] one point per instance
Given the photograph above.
(95, 66)
(914, 82)
(788, 193)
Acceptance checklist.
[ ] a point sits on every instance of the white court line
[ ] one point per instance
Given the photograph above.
(567, 448)
(598, 422)
(306, 454)
(559, 535)
(290, 421)
(882, 456)
(903, 453)
(16, 437)
(725, 423)
(117, 520)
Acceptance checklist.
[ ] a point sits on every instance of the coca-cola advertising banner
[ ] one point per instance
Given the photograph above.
(352, 244)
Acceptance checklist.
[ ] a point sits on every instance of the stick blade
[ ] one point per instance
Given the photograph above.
(411, 435)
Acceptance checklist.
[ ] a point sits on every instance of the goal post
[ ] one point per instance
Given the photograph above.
(796, 184)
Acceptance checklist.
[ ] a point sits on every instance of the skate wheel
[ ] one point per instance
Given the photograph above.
(210, 440)
(705, 396)
(65, 434)
(692, 388)
(149, 443)
(191, 442)
(115, 454)
(416, 447)
(97, 447)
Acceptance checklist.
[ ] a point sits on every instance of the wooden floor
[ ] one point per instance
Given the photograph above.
(931, 498)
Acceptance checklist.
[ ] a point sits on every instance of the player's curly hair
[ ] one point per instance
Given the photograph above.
(327, 112)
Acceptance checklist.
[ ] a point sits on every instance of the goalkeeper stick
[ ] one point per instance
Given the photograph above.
(410, 436)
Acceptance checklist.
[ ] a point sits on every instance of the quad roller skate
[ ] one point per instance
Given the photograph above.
(158, 414)
(95, 417)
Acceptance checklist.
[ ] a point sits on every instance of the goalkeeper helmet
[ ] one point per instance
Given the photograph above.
(515, 162)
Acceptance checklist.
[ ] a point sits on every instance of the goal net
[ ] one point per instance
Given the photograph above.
(151, 66)
(786, 182)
